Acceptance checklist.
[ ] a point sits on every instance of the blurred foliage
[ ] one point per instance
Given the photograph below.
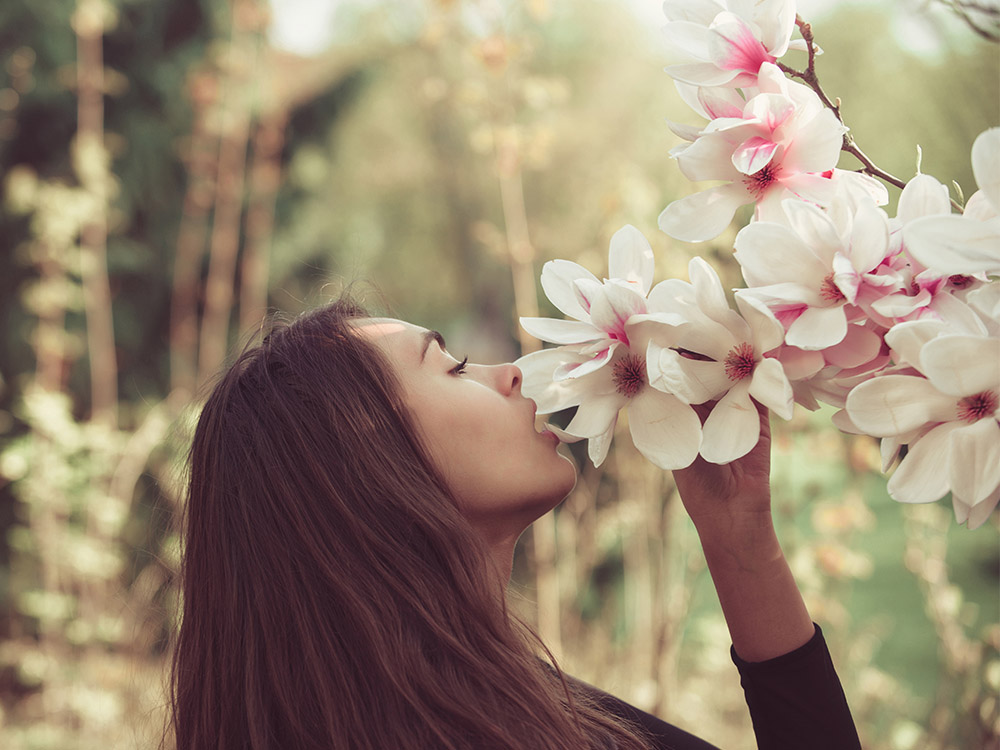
(441, 151)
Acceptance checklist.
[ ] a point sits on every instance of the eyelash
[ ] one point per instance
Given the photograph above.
(460, 367)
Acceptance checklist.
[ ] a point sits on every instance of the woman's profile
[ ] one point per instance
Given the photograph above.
(355, 497)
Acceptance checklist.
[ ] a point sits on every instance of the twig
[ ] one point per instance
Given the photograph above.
(809, 77)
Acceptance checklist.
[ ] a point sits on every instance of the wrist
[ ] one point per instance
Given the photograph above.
(745, 539)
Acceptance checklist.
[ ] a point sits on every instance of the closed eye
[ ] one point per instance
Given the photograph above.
(460, 367)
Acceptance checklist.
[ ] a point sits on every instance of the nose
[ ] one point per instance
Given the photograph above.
(508, 379)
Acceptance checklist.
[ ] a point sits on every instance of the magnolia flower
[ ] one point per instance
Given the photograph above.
(814, 272)
(729, 362)
(728, 41)
(600, 366)
(781, 143)
(969, 243)
(947, 411)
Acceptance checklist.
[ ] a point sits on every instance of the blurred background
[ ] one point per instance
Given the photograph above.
(172, 171)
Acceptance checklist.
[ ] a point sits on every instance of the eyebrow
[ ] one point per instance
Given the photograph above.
(429, 337)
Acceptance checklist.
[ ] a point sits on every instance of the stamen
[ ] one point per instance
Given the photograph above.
(758, 182)
(829, 291)
(973, 408)
(960, 281)
(629, 374)
(739, 362)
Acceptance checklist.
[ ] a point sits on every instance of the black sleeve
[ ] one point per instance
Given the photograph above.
(796, 700)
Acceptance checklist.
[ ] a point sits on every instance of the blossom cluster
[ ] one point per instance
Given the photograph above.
(895, 321)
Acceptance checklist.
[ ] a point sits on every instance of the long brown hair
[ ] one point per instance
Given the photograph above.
(334, 596)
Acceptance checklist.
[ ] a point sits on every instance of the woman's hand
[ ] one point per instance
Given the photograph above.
(720, 496)
(730, 505)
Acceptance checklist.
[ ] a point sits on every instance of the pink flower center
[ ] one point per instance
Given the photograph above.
(959, 281)
(973, 408)
(739, 362)
(758, 182)
(830, 291)
(629, 374)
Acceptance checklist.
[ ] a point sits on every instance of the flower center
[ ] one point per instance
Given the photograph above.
(959, 281)
(829, 291)
(739, 362)
(629, 374)
(973, 408)
(758, 182)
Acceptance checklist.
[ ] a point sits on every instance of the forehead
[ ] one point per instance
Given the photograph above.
(402, 341)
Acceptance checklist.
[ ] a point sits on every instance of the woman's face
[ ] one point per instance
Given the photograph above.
(478, 429)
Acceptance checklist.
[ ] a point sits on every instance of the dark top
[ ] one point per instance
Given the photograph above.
(795, 702)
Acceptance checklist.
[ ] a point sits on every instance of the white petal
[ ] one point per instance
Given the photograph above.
(894, 404)
(816, 145)
(771, 253)
(631, 258)
(976, 514)
(537, 371)
(922, 196)
(771, 388)
(975, 460)
(767, 332)
(597, 446)
(664, 429)
(708, 158)
(594, 416)
(561, 331)
(986, 164)
(869, 238)
(907, 339)
(962, 365)
(557, 283)
(705, 215)
(576, 369)
(733, 427)
(922, 476)
(693, 381)
(817, 328)
(813, 226)
(954, 244)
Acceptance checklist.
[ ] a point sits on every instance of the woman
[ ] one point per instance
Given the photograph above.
(355, 497)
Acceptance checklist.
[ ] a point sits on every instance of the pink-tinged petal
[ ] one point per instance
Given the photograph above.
(959, 316)
(976, 514)
(595, 362)
(811, 188)
(611, 310)
(701, 74)
(693, 381)
(907, 339)
(954, 244)
(816, 144)
(922, 476)
(595, 416)
(770, 387)
(733, 427)
(753, 154)
(705, 215)
(631, 258)
(975, 460)
(800, 364)
(896, 404)
(817, 328)
(845, 277)
(899, 306)
(771, 253)
(597, 446)
(859, 345)
(772, 110)
(719, 102)
(787, 300)
(561, 331)
(708, 158)
(734, 46)
(558, 277)
(962, 365)
(664, 429)
(922, 196)
(986, 165)
(767, 333)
